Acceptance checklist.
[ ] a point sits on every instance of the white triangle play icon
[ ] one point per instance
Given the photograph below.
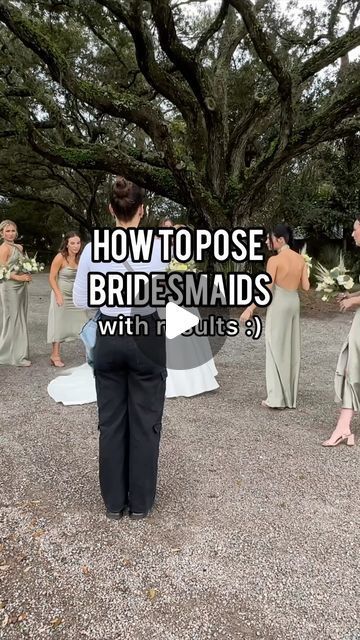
(178, 320)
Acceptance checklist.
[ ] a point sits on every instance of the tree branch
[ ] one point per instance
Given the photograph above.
(231, 41)
(12, 133)
(95, 157)
(101, 36)
(329, 54)
(326, 125)
(182, 57)
(121, 105)
(198, 79)
(213, 28)
(334, 15)
(162, 81)
(318, 61)
(278, 70)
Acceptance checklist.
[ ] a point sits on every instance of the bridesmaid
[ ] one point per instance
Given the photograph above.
(14, 340)
(347, 376)
(288, 271)
(65, 321)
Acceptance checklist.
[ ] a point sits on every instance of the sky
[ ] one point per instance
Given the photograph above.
(283, 4)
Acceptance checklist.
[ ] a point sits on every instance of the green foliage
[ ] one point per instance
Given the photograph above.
(321, 192)
(97, 80)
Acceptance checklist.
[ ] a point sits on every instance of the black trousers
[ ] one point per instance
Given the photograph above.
(130, 375)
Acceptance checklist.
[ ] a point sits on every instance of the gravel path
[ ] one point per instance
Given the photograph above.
(255, 533)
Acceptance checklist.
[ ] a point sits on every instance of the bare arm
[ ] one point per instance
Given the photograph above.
(305, 283)
(53, 276)
(4, 254)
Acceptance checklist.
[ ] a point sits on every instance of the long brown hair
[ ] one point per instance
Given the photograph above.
(125, 198)
(64, 246)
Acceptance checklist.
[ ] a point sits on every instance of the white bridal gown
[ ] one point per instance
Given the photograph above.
(77, 385)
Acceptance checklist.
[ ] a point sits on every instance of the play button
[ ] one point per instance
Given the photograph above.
(189, 342)
(178, 320)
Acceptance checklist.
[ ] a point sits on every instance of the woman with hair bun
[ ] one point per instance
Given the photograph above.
(130, 377)
(65, 321)
(288, 272)
(14, 339)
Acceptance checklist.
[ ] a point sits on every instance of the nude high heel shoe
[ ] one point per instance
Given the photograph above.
(56, 362)
(348, 438)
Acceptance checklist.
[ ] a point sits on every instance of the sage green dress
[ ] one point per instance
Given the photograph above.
(14, 338)
(65, 322)
(282, 338)
(347, 375)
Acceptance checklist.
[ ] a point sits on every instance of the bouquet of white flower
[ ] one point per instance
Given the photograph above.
(182, 266)
(333, 281)
(27, 265)
(308, 260)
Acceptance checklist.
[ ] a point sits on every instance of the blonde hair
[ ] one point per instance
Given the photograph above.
(7, 223)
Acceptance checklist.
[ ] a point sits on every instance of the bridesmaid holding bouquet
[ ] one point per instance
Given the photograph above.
(14, 340)
(65, 321)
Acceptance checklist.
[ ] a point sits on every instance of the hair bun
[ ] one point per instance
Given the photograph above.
(122, 188)
(126, 197)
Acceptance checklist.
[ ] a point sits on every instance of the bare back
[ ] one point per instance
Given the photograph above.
(288, 270)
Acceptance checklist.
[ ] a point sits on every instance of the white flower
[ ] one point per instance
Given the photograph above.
(7, 275)
(324, 298)
(329, 280)
(342, 279)
(349, 284)
(41, 267)
(27, 266)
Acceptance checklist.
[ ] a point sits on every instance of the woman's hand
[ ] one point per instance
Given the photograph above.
(346, 303)
(246, 315)
(342, 296)
(59, 299)
(23, 277)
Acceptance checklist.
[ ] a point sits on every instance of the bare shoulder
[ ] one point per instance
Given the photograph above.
(58, 259)
(299, 257)
(4, 253)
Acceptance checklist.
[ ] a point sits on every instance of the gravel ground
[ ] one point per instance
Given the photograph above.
(255, 530)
